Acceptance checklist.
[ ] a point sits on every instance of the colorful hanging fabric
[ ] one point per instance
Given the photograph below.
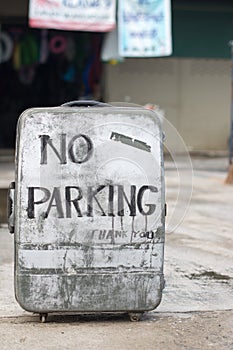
(144, 28)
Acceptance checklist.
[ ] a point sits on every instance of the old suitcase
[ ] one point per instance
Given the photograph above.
(88, 209)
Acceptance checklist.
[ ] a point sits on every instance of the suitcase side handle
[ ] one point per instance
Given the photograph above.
(11, 207)
(85, 103)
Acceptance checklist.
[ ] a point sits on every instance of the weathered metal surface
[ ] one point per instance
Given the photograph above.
(89, 210)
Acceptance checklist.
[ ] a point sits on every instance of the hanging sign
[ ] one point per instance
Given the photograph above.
(144, 28)
(86, 15)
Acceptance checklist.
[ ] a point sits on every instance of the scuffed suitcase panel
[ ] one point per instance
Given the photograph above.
(90, 292)
(89, 210)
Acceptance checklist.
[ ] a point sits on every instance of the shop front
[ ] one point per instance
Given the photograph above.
(43, 67)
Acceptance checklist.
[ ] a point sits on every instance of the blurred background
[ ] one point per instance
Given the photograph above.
(192, 86)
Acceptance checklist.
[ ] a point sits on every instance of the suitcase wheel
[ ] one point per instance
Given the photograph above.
(135, 316)
(43, 318)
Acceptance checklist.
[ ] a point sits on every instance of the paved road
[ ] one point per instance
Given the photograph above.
(196, 310)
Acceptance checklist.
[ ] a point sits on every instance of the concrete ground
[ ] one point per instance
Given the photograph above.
(196, 311)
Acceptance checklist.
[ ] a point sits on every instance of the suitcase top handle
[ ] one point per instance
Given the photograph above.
(85, 103)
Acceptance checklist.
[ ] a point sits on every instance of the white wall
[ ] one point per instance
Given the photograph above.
(195, 94)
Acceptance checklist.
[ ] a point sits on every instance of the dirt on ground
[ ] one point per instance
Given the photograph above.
(163, 331)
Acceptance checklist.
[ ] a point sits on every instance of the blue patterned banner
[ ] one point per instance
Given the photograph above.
(144, 28)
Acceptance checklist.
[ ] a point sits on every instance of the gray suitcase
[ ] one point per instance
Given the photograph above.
(87, 209)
